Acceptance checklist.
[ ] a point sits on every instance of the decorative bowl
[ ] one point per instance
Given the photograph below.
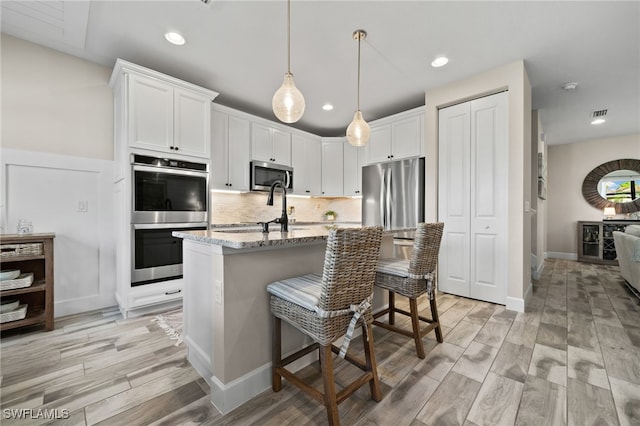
(9, 274)
(8, 305)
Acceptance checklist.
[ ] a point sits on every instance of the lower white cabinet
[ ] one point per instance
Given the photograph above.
(332, 167)
(472, 199)
(154, 294)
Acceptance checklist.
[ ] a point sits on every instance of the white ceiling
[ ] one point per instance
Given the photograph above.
(238, 48)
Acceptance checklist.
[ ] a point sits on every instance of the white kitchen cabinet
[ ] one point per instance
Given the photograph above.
(353, 162)
(192, 123)
(379, 146)
(306, 160)
(230, 151)
(160, 116)
(165, 118)
(332, 167)
(150, 113)
(472, 199)
(396, 137)
(270, 144)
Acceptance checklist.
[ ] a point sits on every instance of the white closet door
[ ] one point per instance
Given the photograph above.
(453, 198)
(472, 198)
(488, 207)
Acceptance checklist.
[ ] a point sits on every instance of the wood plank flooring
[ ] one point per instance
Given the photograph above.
(572, 358)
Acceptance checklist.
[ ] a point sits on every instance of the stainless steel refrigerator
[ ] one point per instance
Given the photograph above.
(393, 194)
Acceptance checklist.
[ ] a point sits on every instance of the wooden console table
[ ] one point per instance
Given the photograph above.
(30, 253)
(595, 240)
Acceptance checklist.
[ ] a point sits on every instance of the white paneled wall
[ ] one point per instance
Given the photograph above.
(72, 197)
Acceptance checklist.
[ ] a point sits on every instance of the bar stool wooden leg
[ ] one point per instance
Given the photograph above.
(415, 324)
(372, 366)
(330, 400)
(392, 308)
(276, 355)
(434, 316)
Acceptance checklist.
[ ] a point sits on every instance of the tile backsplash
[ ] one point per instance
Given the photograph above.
(252, 207)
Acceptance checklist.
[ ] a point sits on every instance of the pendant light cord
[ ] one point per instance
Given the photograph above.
(289, 36)
(358, 100)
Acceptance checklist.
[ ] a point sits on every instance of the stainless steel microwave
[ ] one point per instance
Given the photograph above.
(264, 174)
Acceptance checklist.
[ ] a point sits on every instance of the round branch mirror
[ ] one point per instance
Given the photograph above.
(614, 184)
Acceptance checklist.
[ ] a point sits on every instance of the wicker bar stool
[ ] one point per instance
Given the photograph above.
(327, 306)
(412, 278)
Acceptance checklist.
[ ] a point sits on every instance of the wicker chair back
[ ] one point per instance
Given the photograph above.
(349, 267)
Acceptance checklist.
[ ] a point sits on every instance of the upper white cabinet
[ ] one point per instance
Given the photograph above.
(306, 155)
(230, 150)
(150, 113)
(396, 137)
(270, 144)
(332, 166)
(352, 169)
(159, 113)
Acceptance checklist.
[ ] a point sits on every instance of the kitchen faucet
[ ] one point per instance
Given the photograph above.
(284, 219)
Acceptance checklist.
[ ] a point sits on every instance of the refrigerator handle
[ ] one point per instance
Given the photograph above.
(387, 199)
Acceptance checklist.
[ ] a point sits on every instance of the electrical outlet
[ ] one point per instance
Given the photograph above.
(83, 206)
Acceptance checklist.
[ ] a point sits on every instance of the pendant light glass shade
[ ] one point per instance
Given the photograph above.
(288, 102)
(358, 131)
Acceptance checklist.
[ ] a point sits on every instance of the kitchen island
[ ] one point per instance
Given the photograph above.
(227, 321)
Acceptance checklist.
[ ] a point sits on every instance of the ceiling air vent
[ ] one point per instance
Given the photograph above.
(599, 114)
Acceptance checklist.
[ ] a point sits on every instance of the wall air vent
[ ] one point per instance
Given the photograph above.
(599, 114)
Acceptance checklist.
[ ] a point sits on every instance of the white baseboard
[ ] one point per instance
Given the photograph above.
(562, 255)
(199, 360)
(227, 397)
(537, 272)
(528, 294)
(515, 304)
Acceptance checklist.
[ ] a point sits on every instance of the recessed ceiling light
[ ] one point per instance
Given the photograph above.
(570, 86)
(174, 38)
(439, 61)
(598, 121)
(327, 107)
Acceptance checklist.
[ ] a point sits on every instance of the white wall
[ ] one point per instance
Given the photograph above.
(514, 78)
(57, 150)
(54, 102)
(568, 165)
(47, 189)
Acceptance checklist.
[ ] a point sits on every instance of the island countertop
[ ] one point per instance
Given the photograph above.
(238, 237)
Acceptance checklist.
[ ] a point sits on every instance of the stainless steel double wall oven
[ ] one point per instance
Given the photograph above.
(168, 195)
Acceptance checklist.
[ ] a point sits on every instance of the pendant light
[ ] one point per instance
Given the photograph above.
(358, 131)
(288, 102)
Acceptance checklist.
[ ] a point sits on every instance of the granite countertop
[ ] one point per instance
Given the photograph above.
(241, 237)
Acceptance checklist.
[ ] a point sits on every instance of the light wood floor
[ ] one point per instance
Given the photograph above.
(573, 358)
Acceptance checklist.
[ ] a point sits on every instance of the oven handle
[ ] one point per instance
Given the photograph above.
(156, 169)
(169, 225)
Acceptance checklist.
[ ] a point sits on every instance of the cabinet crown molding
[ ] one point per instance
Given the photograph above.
(122, 67)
